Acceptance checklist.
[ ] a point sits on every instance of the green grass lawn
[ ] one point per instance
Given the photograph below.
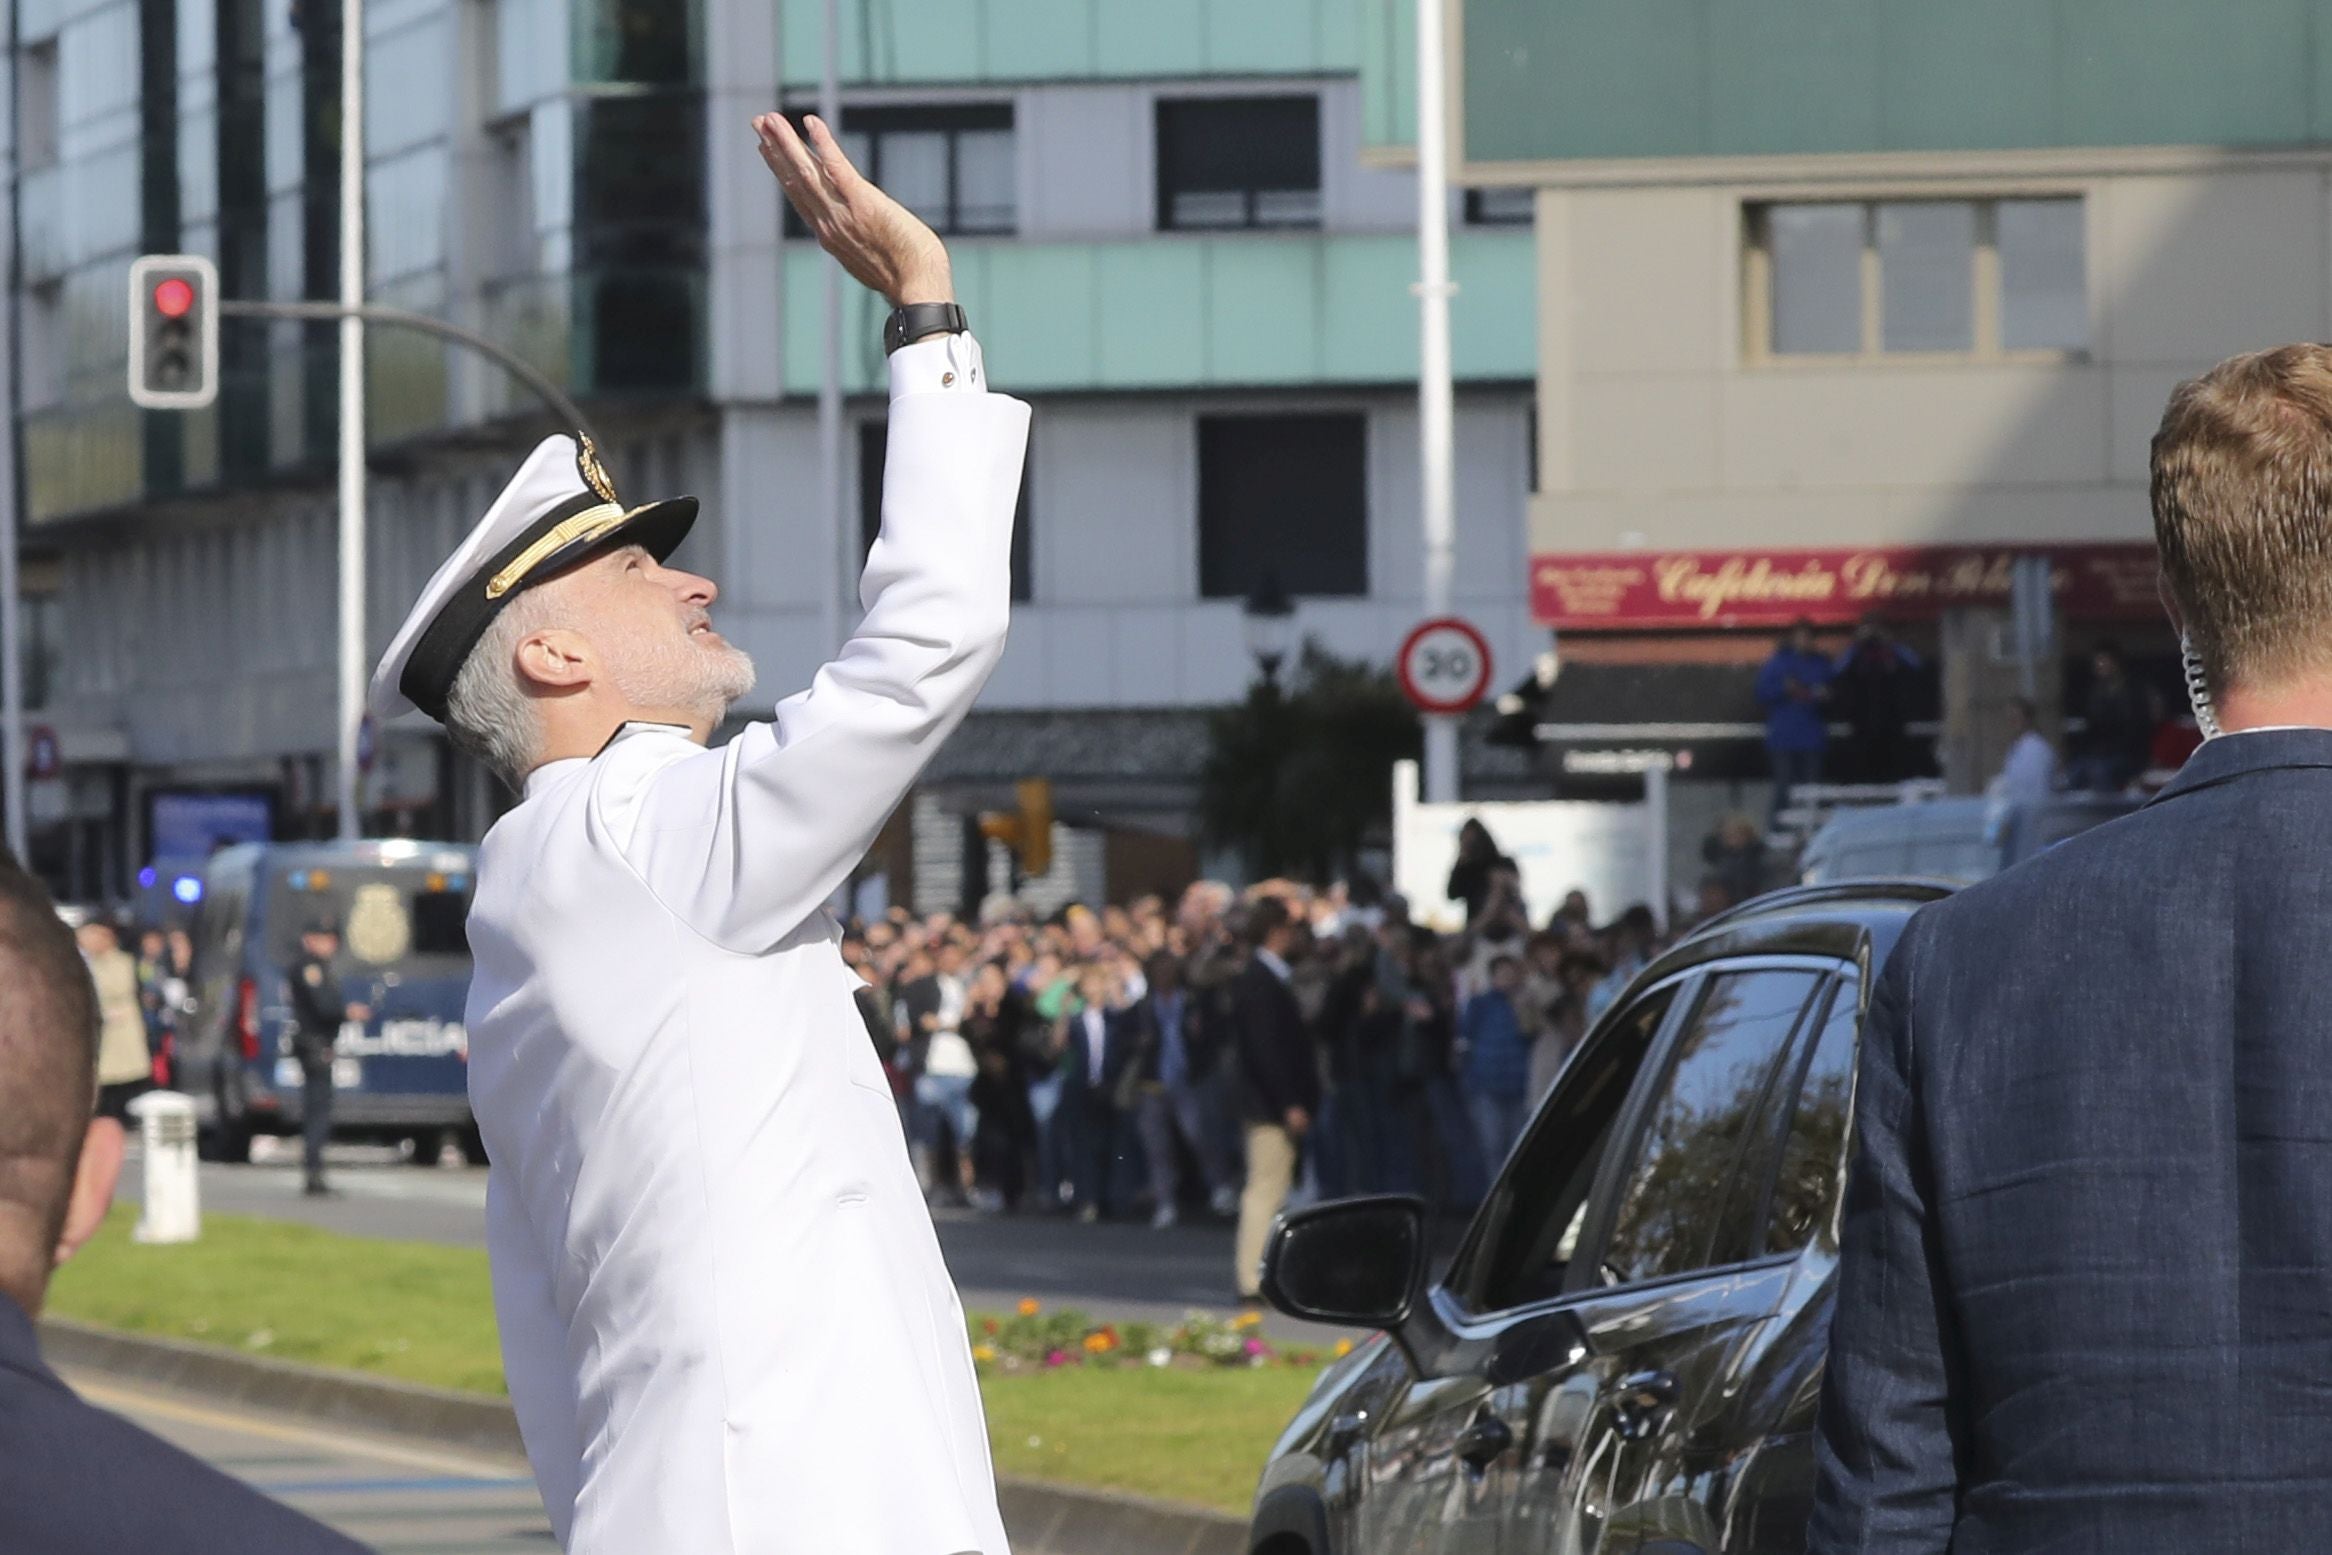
(425, 1314)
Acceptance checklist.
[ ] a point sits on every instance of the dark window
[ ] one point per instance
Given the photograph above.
(1531, 1224)
(1285, 495)
(1238, 162)
(872, 437)
(954, 165)
(1675, 1212)
(1813, 1153)
(1502, 207)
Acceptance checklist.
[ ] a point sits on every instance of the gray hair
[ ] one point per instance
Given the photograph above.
(488, 712)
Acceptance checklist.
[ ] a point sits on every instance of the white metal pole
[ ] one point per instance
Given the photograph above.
(351, 675)
(836, 546)
(1656, 818)
(1434, 413)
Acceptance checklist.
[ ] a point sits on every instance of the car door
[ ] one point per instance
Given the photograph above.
(1430, 1457)
(1618, 1451)
(1769, 1499)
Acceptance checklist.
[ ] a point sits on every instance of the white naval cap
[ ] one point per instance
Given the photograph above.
(559, 509)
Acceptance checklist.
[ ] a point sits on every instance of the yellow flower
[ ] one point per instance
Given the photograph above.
(1343, 1348)
(1247, 1320)
(1030, 1306)
(983, 1352)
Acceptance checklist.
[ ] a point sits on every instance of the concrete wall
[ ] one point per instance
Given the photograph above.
(1660, 429)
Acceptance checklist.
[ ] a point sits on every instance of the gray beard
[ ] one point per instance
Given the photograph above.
(688, 676)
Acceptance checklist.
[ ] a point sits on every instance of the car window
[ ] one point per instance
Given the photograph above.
(1674, 1212)
(1530, 1224)
(1813, 1152)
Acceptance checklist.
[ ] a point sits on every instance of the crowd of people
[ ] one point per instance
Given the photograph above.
(1220, 1053)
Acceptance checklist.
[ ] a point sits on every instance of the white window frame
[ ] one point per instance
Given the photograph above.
(1757, 283)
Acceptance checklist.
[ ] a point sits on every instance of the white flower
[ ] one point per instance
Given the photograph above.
(1161, 1356)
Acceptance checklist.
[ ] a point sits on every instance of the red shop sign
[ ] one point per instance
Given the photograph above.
(1772, 588)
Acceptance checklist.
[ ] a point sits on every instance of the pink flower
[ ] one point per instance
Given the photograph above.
(1057, 1358)
(1255, 1347)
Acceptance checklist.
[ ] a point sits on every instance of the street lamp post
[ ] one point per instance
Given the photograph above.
(1269, 619)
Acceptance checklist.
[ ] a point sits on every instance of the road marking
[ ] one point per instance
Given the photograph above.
(131, 1401)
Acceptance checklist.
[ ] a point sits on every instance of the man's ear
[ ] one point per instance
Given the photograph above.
(555, 659)
(2169, 604)
(93, 1184)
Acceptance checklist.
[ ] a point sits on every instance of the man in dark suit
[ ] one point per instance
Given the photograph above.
(2085, 1287)
(1279, 1081)
(1100, 1050)
(75, 1480)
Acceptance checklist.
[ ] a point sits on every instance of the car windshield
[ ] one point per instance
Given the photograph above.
(390, 916)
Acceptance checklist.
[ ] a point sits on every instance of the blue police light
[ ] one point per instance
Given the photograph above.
(187, 888)
(146, 878)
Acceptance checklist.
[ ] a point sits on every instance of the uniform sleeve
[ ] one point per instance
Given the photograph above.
(746, 842)
(1886, 1453)
(534, 1358)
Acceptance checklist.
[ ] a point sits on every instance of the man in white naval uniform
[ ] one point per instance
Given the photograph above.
(725, 1319)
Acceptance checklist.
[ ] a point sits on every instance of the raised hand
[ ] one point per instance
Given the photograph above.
(881, 243)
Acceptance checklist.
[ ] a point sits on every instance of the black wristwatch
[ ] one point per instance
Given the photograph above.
(911, 323)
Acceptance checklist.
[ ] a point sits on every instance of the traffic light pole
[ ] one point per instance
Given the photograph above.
(553, 398)
(352, 558)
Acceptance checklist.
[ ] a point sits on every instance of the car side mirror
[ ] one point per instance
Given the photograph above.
(1357, 1263)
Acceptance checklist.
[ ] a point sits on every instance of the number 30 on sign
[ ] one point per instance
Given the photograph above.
(1444, 666)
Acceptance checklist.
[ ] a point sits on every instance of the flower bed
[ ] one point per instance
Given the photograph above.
(1033, 1339)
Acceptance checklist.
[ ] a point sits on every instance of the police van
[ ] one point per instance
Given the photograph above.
(403, 1072)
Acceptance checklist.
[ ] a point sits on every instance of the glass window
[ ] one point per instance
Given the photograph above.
(2044, 275)
(1967, 277)
(1927, 276)
(953, 164)
(1813, 1152)
(1284, 496)
(986, 181)
(36, 106)
(1501, 207)
(1530, 1225)
(1238, 162)
(1675, 1215)
(872, 442)
(1816, 253)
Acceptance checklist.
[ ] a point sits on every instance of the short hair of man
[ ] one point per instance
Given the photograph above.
(1266, 918)
(487, 711)
(2242, 493)
(48, 1074)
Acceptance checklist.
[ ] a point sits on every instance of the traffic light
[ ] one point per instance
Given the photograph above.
(1028, 832)
(174, 331)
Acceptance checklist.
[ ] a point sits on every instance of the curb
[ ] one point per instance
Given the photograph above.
(1044, 1519)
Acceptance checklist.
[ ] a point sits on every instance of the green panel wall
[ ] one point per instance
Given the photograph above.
(1388, 72)
(1555, 79)
(1197, 313)
(972, 41)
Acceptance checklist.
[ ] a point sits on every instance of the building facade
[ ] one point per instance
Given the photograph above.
(1164, 228)
(1846, 306)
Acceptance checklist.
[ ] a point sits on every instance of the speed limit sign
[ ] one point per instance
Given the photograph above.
(1444, 666)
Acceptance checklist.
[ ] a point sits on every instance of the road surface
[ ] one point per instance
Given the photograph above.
(399, 1497)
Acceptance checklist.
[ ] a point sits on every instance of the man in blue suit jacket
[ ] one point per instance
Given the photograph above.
(76, 1480)
(2085, 1289)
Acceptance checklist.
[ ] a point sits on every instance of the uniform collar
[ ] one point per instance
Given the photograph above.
(550, 771)
(2237, 755)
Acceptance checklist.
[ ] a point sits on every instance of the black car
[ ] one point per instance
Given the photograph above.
(1624, 1355)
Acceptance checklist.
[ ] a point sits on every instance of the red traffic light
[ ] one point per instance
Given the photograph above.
(173, 298)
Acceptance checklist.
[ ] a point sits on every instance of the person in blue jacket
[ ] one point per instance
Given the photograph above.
(1794, 690)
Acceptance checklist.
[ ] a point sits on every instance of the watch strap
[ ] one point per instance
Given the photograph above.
(917, 319)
